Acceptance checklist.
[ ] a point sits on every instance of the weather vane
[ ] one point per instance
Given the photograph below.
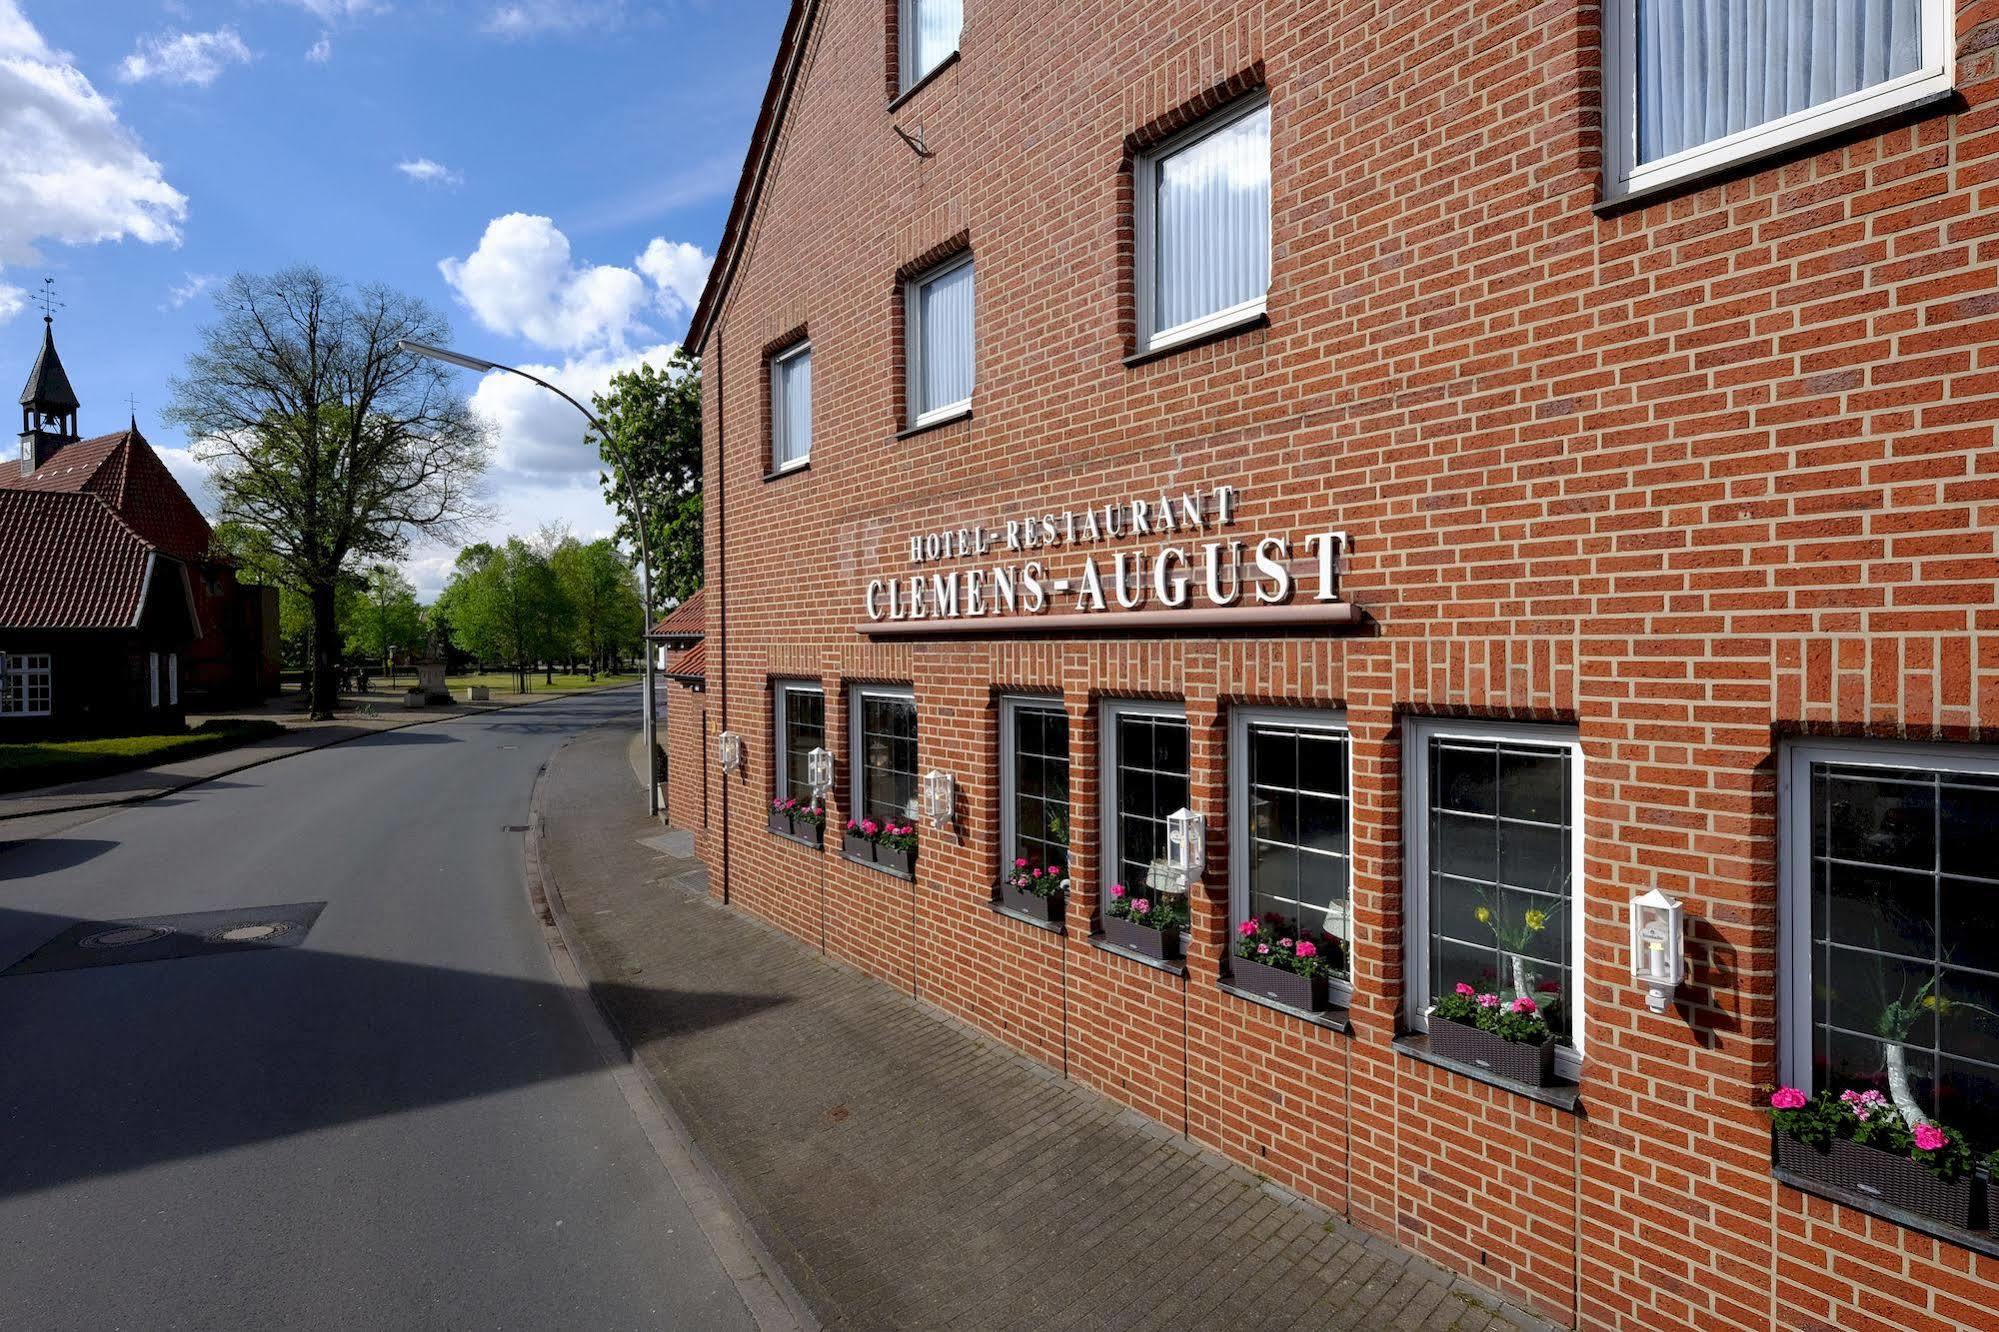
(46, 298)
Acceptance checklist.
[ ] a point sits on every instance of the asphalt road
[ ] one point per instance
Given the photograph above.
(399, 1122)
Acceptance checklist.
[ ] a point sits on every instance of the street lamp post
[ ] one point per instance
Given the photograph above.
(650, 708)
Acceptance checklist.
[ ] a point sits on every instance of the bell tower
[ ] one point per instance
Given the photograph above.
(48, 403)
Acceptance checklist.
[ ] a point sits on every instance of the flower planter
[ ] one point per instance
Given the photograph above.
(1892, 1179)
(858, 848)
(1529, 1065)
(1306, 993)
(1047, 910)
(1160, 945)
(812, 834)
(896, 862)
(780, 822)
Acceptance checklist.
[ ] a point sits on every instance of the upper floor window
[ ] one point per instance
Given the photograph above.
(1203, 227)
(937, 313)
(1493, 857)
(1889, 973)
(27, 690)
(791, 407)
(928, 31)
(1695, 85)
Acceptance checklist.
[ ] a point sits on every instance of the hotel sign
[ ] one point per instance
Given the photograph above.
(1189, 567)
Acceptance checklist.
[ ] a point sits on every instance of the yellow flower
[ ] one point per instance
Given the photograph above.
(1485, 915)
(1536, 919)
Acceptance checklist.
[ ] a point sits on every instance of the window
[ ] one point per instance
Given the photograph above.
(1695, 85)
(1288, 796)
(1145, 755)
(883, 722)
(1890, 962)
(1034, 783)
(1203, 227)
(27, 690)
(800, 720)
(1494, 850)
(928, 30)
(938, 312)
(791, 407)
(153, 679)
(173, 679)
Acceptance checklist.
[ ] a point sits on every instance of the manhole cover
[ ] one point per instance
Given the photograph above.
(122, 937)
(256, 932)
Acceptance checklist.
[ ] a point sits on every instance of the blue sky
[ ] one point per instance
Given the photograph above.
(552, 174)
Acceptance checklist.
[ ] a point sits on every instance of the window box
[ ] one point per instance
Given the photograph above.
(798, 827)
(856, 847)
(1306, 993)
(1161, 945)
(1873, 1173)
(1529, 1065)
(895, 860)
(1047, 910)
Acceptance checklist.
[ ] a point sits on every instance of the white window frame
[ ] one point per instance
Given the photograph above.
(780, 417)
(906, 19)
(173, 679)
(1010, 707)
(1624, 177)
(1794, 866)
(1329, 721)
(152, 679)
(912, 324)
(780, 705)
(1108, 847)
(1145, 209)
(20, 667)
(857, 767)
(1417, 733)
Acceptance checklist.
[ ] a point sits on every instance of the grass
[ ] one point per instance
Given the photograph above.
(504, 682)
(34, 763)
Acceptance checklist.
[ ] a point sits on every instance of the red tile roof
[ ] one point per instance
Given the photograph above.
(689, 666)
(68, 562)
(688, 622)
(124, 472)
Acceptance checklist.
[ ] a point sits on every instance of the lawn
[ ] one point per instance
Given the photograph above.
(504, 682)
(44, 763)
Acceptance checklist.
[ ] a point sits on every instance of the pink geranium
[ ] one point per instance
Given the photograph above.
(1787, 1098)
(1930, 1138)
(1488, 1001)
(1117, 890)
(1466, 990)
(1263, 948)
(1524, 1005)
(1139, 906)
(1020, 862)
(1246, 929)
(1306, 948)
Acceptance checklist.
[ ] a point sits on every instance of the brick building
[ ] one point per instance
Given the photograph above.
(1490, 462)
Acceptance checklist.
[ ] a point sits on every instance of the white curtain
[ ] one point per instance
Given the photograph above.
(1711, 68)
(934, 33)
(1212, 223)
(791, 388)
(944, 321)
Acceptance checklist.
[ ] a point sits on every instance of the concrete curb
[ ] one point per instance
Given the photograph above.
(760, 1283)
(158, 793)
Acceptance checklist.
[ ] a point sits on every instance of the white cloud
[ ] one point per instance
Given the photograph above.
(520, 282)
(12, 300)
(321, 51)
(181, 293)
(524, 18)
(679, 270)
(537, 437)
(426, 172)
(70, 172)
(328, 10)
(185, 57)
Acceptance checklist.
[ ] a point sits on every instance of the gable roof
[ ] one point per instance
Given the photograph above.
(48, 385)
(688, 623)
(68, 562)
(690, 667)
(756, 163)
(124, 472)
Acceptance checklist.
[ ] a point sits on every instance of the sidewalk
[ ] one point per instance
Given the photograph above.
(907, 1172)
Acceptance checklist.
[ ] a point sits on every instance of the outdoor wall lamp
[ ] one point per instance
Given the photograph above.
(1658, 947)
(940, 797)
(819, 773)
(1186, 847)
(729, 750)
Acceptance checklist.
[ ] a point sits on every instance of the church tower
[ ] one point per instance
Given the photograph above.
(48, 405)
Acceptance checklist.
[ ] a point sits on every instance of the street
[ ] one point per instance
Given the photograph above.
(387, 1114)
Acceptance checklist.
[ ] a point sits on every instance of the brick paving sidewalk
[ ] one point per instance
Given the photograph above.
(907, 1172)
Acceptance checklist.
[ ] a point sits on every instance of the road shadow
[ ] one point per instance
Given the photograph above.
(32, 857)
(115, 1068)
(411, 736)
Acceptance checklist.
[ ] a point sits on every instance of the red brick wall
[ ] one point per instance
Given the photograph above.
(687, 742)
(1691, 476)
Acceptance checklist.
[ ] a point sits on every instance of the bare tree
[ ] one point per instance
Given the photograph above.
(323, 436)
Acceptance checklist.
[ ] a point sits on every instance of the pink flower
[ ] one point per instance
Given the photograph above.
(1117, 890)
(1930, 1138)
(1140, 906)
(1246, 929)
(1787, 1098)
(1020, 862)
(870, 827)
(1284, 943)
(1306, 948)
(1488, 1001)
(1054, 871)
(853, 826)
(1466, 990)
(1263, 948)
(1524, 1005)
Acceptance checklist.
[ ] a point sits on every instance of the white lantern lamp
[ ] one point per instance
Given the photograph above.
(1186, 847)
(729, 751)
(939, 797)
(819, 774)
(1658, 947)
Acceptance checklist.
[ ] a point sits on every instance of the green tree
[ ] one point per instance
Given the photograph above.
(382, 615)
(320, 433)
(653, 418)
(499, 601)
(603, 598)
